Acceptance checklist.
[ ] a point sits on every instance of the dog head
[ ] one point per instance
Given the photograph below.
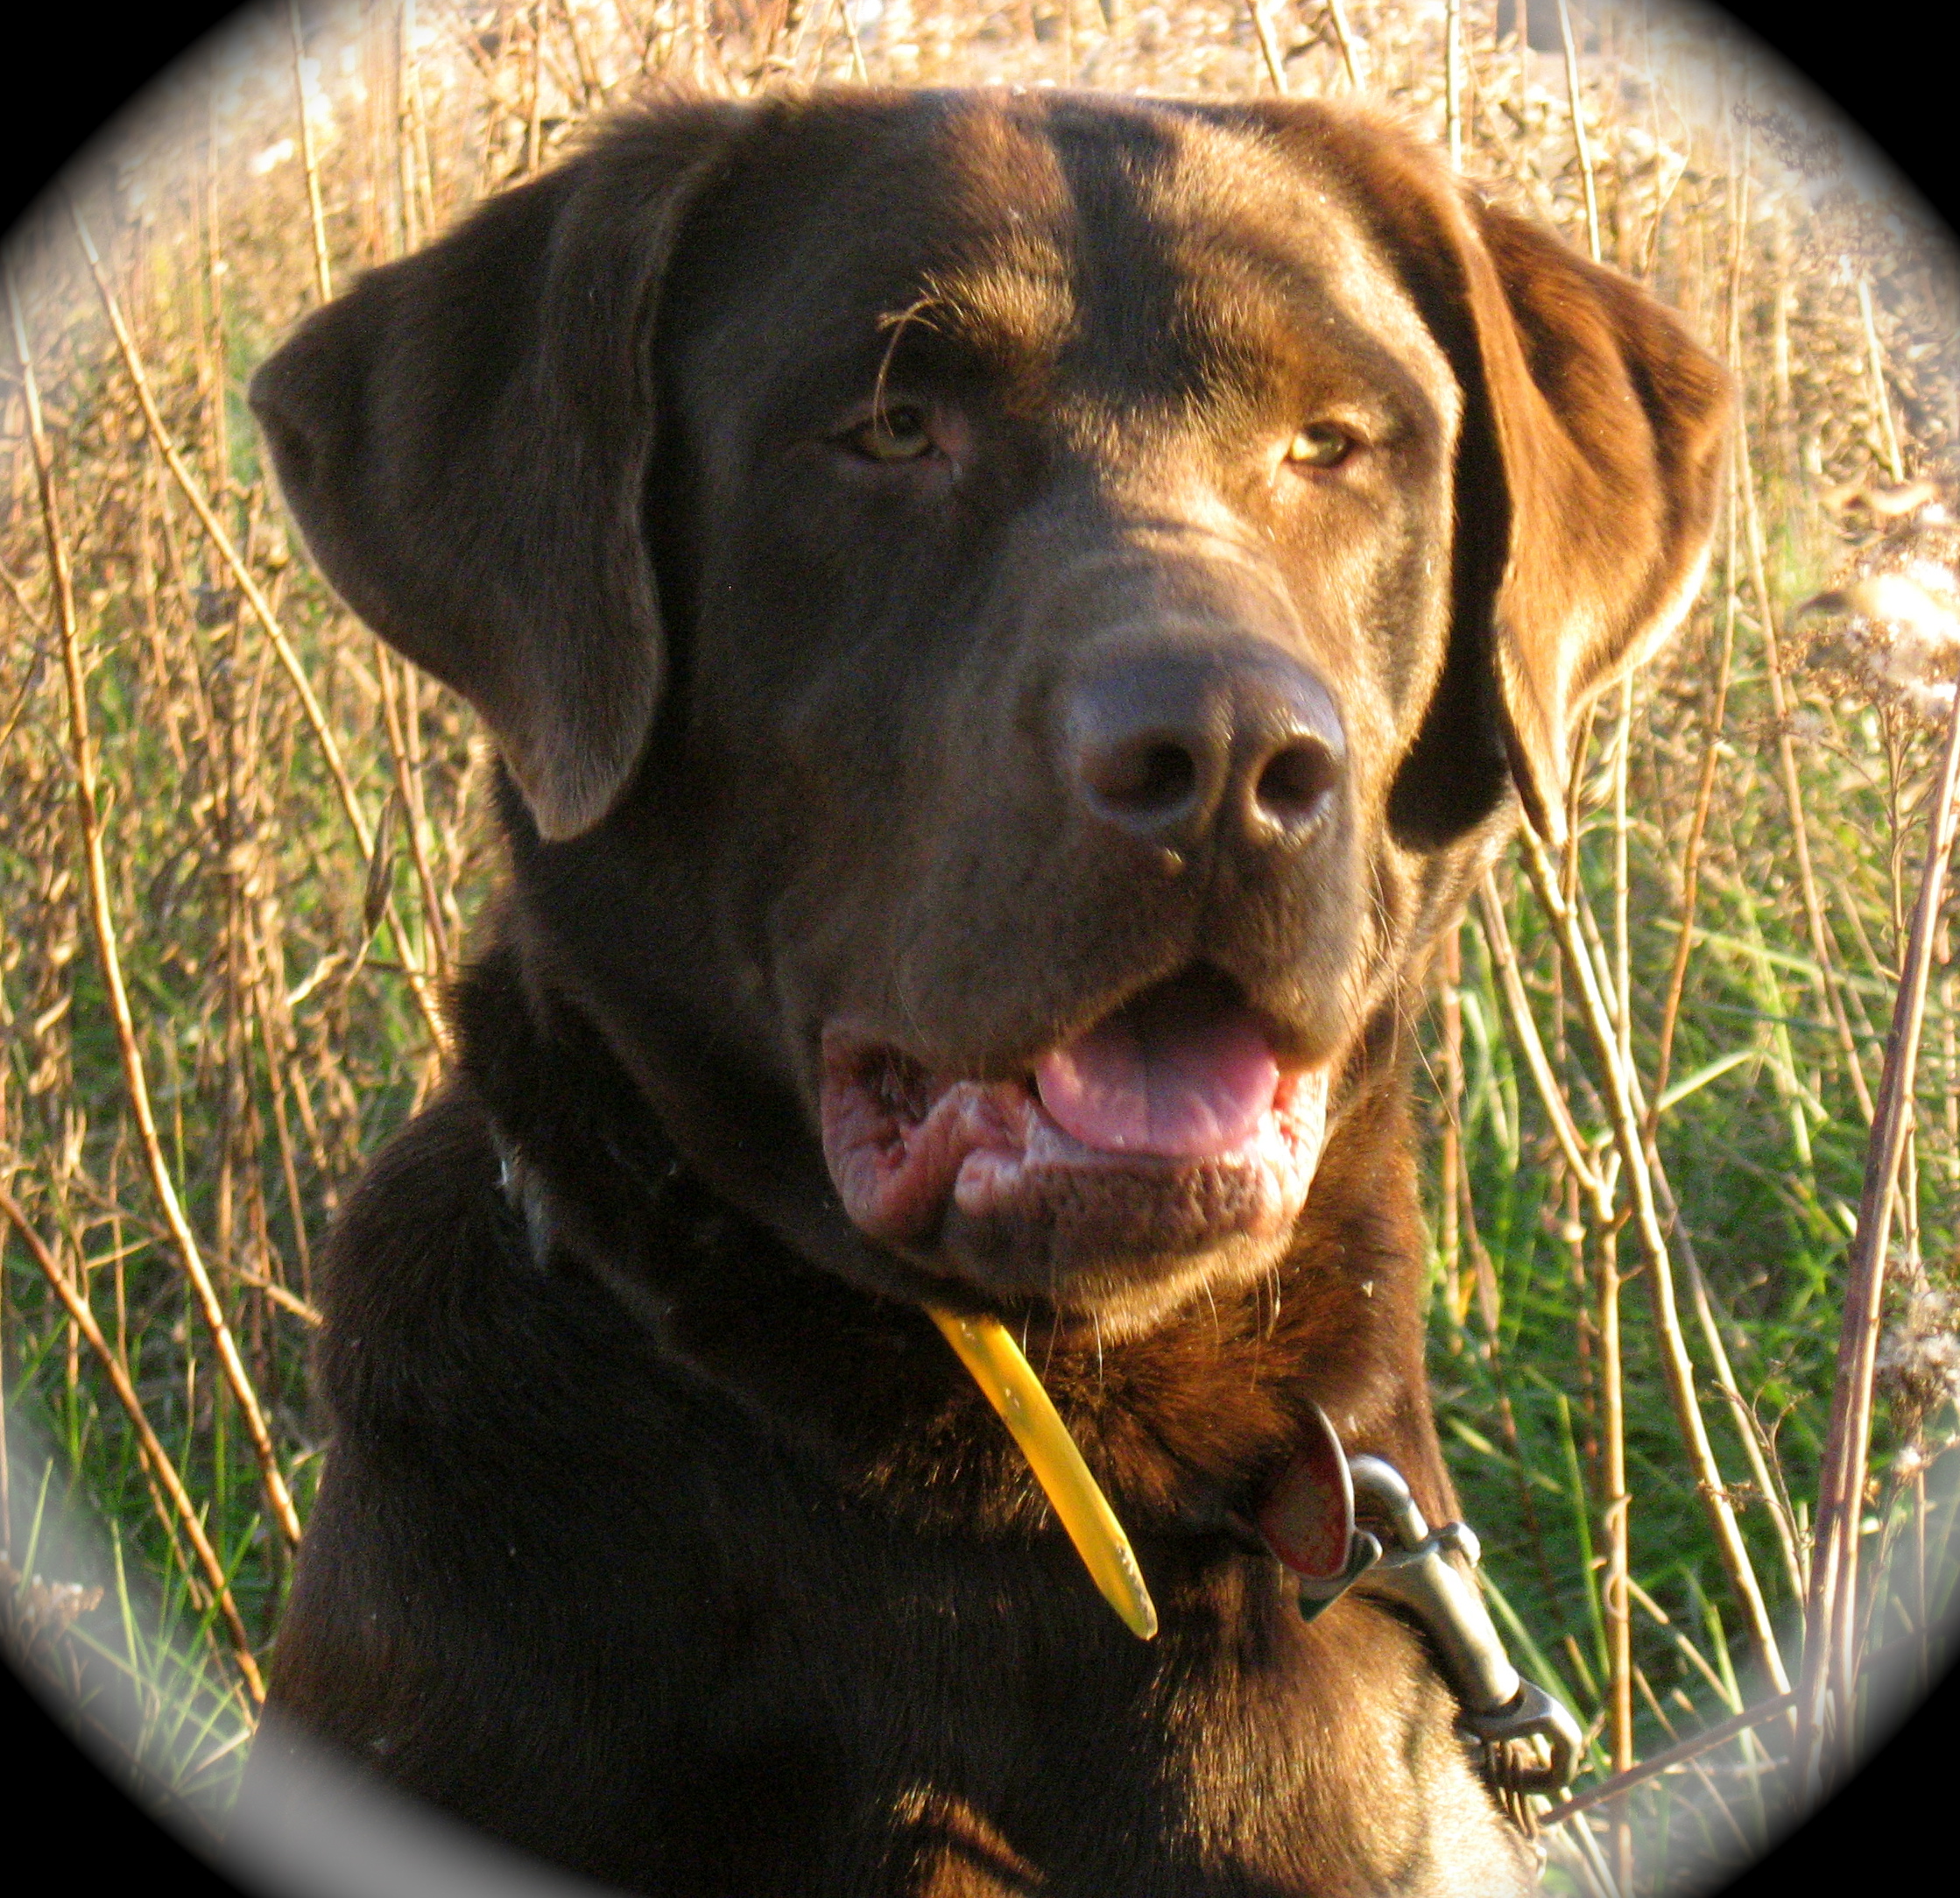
(1011, 620)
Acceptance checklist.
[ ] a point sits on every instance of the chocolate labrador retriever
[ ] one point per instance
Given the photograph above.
(1011, 621)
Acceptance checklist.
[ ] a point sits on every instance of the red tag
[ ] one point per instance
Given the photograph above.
(1308, 1519)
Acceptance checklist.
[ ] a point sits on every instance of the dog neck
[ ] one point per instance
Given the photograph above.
(1184, 1427)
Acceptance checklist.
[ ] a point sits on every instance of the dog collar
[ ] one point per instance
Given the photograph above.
(1530, 1740)
(1308, 1523)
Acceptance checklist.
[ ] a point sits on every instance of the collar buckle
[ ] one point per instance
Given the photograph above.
(1532, 1743)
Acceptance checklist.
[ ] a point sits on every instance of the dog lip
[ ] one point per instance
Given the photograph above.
(905, 1146)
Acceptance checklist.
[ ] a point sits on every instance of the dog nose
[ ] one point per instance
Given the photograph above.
(1175, 743)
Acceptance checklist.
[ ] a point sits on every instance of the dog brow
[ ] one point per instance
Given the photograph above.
(1002, 310)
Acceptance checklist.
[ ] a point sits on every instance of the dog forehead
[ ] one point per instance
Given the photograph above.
(1033, 228)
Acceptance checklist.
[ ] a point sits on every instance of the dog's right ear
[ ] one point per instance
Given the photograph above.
(464, 439)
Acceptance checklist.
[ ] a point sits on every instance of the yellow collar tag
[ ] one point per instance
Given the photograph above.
(997, 1366)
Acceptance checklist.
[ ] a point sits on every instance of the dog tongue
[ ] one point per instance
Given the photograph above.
(1174, 1075)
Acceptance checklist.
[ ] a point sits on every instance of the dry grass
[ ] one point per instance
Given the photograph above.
(241, 844)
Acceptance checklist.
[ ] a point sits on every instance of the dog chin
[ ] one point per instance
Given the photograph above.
(1105, 1296)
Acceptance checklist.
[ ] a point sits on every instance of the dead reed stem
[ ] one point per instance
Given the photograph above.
(1616, 1503)
(220, 540)
(1697, 828)
(1269, 47)
(254, 596)
(1450, 1164)
(1574, 93)
(103, 925)
(1615, 1497)
(1748, 1430)
(1453, 80)
(1791, 779)
(396, 716)
(1829, 1659)
(1496, 933)
(1665, 1761)
(1622, 1103)
(156, 1459)
(309, 159)
(1344, 38)
(1875, 366)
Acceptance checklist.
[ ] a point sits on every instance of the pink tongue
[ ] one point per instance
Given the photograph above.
(1179, 1082)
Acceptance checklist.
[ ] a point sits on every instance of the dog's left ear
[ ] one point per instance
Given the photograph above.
(1610, 423)
(464, 440)
(1588, 467)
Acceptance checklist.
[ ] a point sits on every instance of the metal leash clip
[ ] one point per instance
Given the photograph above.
(1308, 1523)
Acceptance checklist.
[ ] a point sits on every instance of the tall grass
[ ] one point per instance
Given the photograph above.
(237, 868)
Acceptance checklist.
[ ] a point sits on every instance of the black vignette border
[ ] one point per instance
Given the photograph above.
(1877, 66)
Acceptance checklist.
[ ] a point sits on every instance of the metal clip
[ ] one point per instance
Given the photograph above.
(1308, 1523)
(1500, 1706)
(1317, 1596)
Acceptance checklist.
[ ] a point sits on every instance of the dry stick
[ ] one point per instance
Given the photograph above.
(1344, 38)
(1450, 1243)
(1786, 768)
(1875, 363)
(265, 986)
(1829, 1662)
(1599, 1880)
(1679, 1754)
(404, 138)
(156, 1458)
(262, 608)
(1615, 1515)
(1497, 934)
(1617, 1502)
(1746, 1427)
(393, 718)
(103, 924)
(1740, 1414)
(1598, 1187)
(1705, 789)
(1579, 138)
(1622, 1103)
(1504, 957)
(1453, 80)
(857, 47)
(1269, 47)
(1755, 1445)
(1698, 828)
(589, 87)
(1623, 946)
(534, 123)
(309, 158)
(254, 597)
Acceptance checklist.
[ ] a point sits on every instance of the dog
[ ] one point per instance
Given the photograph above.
(1011, 621)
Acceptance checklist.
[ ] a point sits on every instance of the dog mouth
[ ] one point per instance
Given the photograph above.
(1173, 1125)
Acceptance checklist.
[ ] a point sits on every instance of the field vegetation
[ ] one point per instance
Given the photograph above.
(1697, 1360)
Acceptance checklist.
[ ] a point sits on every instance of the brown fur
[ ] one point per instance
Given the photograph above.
(661, 1533)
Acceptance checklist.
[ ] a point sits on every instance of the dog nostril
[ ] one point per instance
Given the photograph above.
(1295, 782)
(1145, 778)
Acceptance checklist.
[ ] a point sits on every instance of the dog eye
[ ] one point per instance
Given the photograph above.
(899, 434)
(1320, 445)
